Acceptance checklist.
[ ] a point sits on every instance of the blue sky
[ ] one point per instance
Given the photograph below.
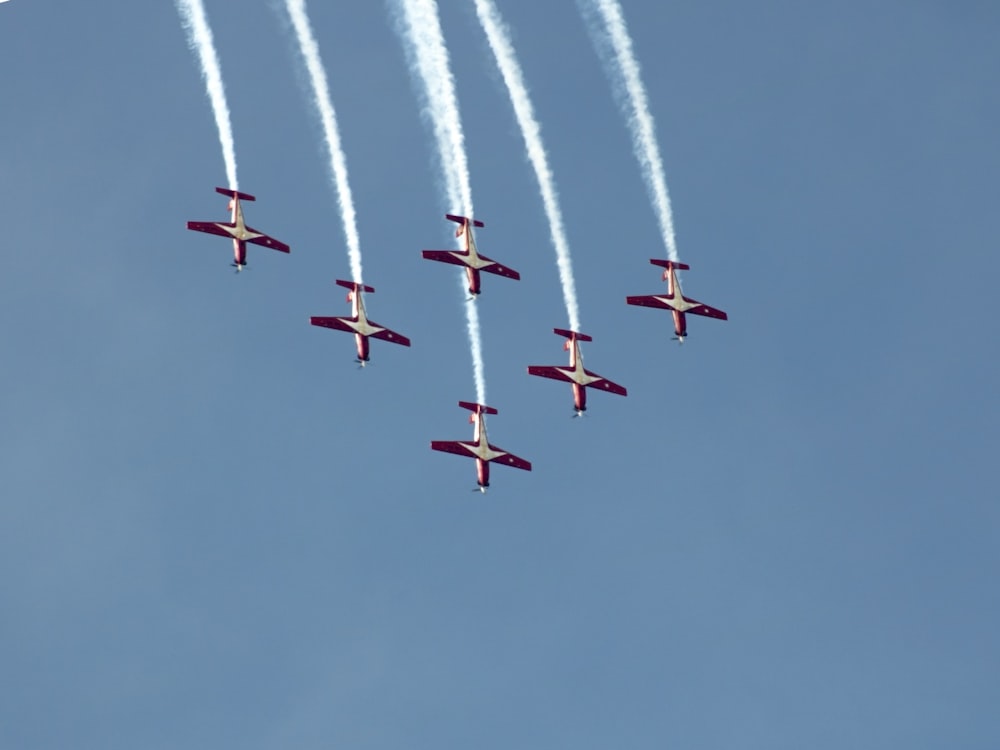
(216, 531)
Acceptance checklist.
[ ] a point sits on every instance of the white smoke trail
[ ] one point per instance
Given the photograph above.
(328, 118)
(475, 340)
(420, 28)
(624, 70)
(428, 54)
(510, 69)
(200, 39)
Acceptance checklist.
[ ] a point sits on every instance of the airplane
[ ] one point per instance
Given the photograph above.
(575, 374)
(480, 448)
(469, 257)
(675, 301)
(239, 231)
(358, 323)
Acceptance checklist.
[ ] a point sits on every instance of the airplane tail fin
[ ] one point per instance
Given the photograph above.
(572, 334)
(353, 285)
(235, 194)
(670, 264)
(477, 408)
(463, 219)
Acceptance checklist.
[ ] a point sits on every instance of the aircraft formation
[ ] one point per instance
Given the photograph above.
(426, 51)
(473, 263)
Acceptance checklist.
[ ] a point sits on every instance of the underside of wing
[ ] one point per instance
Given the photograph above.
(211, 227)
(499, 269)
(386, 335)
(450, 446)
(702, 309)
(606, 385)
(545, 371)
(444, 256)
(509, 459)
(270, 242)
(337, 324)
(648, 300)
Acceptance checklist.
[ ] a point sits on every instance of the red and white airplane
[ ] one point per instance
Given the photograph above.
(240, 233)
(358, 323)
(675, 301)
(480, 448)
(470, 257)
(575, 374)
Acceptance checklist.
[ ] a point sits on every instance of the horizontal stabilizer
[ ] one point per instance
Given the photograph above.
(572, 334)
(463, 219)
(477, 408)
(670, 264)
(352, 285)
(235, 194)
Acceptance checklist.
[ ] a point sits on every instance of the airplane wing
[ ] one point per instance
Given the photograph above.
(606, 385)
(546, 371)
(450, 446)
(444, 256)
(509, 459)
(499, 269)
(211, 227)
(386, 335)
(270, 242)
(336, 324)
(648, 300)
(706, 310)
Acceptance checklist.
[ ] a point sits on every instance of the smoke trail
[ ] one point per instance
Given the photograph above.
(427, 53)
(623, 68)
(510, 69)
(420, 28)
(200, 39)
(328, 118)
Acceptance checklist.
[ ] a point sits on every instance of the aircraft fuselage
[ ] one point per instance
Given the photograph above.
(239, 233)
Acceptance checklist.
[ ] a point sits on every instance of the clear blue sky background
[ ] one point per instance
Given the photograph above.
(216, 532)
